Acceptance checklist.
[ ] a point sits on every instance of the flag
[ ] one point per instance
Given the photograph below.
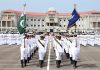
(21, 25)
(75, 16)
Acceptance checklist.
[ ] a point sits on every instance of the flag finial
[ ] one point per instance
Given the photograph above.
(74, 6)
(24, 6)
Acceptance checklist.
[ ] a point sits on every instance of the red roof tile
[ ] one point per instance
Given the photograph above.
(14, 11)
(45, 13)
(89, 12)
(36, 13)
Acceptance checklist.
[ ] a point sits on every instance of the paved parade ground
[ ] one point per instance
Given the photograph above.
(10, 59)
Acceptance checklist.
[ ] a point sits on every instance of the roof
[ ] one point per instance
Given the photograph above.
(89, 12)
(49, 12)
(29, 13)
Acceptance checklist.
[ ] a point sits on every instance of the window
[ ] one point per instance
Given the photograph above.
(99, 24)
(8, 24)
(94, 24)
(9, 17)
(59, 20)
(51, 24)
(26, 25)
(34, 19)
(38, 25)
(13, 25)
(31, 25)
(31, 19)
(42, 25)
(34, 25)
(42, 19)
(27, 19)
(4, 23)
(47, 24)
(38, 19)
(51, 19)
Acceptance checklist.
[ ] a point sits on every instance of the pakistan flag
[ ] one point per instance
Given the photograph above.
(21, 25)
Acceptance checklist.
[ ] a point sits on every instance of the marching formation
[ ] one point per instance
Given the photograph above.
(62, 45)
(68, 45)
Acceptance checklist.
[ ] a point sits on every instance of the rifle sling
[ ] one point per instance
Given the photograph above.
(41, 43)
(58, 43)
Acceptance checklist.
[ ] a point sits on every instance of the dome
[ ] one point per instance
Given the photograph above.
(51, 9)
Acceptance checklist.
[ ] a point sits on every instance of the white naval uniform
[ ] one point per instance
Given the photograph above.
(28, 47)
(41, 49)
(34, 44)
(1, 39)
(98, 39)
(75, 50)
(37, 37)
(84, 41)
(66, 44)
(4, 38)
(58, 49)
(92, 40)
(8, 39)
(70, 48)
(18, 39)
(47, 39)
(23, 52)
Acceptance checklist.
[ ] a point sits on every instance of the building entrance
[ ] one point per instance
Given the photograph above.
(51, 30)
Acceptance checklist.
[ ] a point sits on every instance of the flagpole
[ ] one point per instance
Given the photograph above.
(24, 6)
(75, 22)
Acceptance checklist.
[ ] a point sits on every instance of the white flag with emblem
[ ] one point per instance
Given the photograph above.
(21, 25)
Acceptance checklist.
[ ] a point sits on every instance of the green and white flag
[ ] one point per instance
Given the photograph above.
(21, 25)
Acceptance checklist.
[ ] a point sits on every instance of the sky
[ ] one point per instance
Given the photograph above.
(43, 5)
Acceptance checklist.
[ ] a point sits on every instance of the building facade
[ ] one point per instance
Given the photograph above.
(50, 21)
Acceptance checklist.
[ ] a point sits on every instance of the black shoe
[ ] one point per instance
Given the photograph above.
(41, 63)
(58, 63)
(71, 61)
(22, 62)
(28, 59)
(22, 66)
(74, 67)
(25, 62)
(74, 64)
(32, 55)
(58, 66)
(41, 66)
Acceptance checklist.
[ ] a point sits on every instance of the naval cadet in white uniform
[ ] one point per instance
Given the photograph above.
(23, 53)
(59, 50)
(66, 45)
(33, 51)
(28, 47)
(70, 48)
(42, 47)
(75, 50)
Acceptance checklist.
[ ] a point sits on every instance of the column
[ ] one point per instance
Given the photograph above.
(6, 26)
(1, 25)
(96, 25)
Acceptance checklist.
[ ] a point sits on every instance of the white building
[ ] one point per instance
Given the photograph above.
(50, 21)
